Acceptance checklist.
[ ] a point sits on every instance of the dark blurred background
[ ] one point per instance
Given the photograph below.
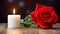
(24, 7)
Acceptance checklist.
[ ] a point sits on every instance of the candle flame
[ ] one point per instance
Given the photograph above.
(13, 11)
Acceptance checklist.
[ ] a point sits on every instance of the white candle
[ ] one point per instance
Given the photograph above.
(14, 20)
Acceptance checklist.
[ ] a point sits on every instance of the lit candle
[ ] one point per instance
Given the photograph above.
(14, 20)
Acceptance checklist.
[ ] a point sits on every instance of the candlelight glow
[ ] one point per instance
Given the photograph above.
(13, 11)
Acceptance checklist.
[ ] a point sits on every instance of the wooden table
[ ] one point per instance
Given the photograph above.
(5, 30)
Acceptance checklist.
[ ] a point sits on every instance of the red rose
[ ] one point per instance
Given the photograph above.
(44, 16)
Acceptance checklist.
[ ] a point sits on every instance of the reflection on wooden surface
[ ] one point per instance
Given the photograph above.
(22, 31)
(13, 31)
(32, 30)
